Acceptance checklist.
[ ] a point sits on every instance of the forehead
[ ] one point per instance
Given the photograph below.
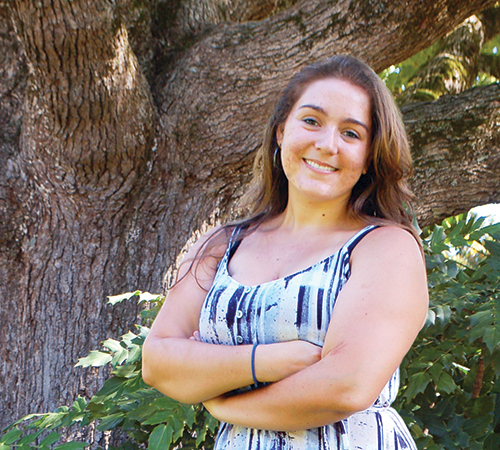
(336, 95)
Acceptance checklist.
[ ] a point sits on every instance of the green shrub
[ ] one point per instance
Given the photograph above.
(450, 378)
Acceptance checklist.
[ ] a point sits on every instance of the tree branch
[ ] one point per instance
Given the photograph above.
(216, 100)
(456, 148)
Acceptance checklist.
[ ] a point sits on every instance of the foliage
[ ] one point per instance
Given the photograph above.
(398, 77)
(147, 418)
(450, 397)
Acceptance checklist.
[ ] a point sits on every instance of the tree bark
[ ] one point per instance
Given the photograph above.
(104, 178)
(455, 144)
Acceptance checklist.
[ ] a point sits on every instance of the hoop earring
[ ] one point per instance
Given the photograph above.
(276, 162)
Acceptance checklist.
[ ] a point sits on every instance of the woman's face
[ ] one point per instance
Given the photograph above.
(325, 141)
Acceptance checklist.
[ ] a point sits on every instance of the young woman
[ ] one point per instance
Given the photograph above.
(290, 325)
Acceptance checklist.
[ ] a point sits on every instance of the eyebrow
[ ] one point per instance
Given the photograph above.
(350, 120)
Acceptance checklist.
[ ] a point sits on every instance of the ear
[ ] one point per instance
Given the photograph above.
(279, 134)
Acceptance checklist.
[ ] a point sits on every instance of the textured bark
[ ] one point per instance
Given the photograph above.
(456, 148)
(101, 187)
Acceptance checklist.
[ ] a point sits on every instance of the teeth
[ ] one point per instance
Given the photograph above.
(318, 166)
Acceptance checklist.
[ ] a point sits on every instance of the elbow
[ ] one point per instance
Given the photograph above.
(148, 358)
(353, 398)
(158, 371)
(359, 401)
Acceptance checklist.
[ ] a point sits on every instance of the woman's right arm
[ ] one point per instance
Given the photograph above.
(191, 371)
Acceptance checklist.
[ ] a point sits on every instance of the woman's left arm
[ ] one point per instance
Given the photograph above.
(376, 318)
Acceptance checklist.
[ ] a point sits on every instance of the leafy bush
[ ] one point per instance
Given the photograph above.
(450, 393)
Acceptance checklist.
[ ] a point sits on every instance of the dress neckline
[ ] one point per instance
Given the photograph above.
(225, 262)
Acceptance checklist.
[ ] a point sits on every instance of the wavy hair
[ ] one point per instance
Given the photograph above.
(381, 196)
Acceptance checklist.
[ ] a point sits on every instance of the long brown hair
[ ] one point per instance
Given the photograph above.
(380, 197)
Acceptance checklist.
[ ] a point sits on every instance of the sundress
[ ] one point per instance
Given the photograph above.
(298, 306)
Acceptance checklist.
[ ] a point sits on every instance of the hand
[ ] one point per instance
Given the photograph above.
(273, 362)
(195, 337)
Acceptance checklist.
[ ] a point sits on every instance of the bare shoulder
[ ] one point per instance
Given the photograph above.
(389, 243)
(389, 260)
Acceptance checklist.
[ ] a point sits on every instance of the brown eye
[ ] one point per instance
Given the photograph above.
(351, 134)
(310, 121)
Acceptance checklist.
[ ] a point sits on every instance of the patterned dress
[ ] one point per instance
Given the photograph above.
(298, 306)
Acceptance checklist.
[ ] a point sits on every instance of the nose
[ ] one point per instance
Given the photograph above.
(327, 140)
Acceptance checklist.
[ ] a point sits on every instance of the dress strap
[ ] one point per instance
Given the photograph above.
(234, 242)
(351, 243)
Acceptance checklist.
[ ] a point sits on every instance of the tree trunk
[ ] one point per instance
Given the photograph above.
(106, 176)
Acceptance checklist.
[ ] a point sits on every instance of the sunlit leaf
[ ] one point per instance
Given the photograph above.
(147, 297)
(114, 299)
(95, 359)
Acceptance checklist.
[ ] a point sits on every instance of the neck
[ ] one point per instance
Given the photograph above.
(328, 216)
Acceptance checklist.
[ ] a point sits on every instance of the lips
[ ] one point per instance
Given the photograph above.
(320, 166)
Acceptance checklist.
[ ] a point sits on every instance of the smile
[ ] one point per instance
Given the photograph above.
(319, 166)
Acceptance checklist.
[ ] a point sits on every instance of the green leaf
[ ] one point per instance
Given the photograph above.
(79, 404)
(437, 240)
(134, 354)
(417, 383)
(72, 446)
(11, 436)
(492, 442)
(28, 439)
(95, 359)
(51, 439)
(142, 414)
(177, 425)
(126, 371)
(166, 403)
(435, 371)
(159, 417)
(491, 337)
(446, 383)
(189, 415)
(111, 421)
(160, 438)
(111, 388)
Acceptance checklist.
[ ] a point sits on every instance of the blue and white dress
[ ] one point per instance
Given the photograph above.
(298, 306)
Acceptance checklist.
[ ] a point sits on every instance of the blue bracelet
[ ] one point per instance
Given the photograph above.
(253, 363)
